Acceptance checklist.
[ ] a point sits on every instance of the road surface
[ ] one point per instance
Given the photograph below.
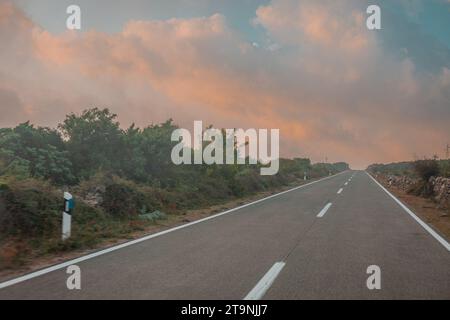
(315, 242)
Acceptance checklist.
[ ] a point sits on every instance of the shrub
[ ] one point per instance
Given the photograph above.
(121, 200)
(124, 198)
(425, 169)
(444, 168)
(30, 208)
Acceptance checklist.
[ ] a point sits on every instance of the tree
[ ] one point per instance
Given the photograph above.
(94, 141)
(36, 152)
(156, 147)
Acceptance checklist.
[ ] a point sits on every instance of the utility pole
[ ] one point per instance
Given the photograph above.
(447, 151)
(326, 162)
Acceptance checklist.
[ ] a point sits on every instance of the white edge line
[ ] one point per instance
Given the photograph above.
(324, 210)
(418, 220)
(340, 191)
(145, 238)
(264, 284)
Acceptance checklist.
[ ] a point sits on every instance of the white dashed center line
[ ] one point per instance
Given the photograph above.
(324, 210)
(264, 284)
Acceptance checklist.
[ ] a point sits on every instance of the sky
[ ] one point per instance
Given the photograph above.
(312, 69)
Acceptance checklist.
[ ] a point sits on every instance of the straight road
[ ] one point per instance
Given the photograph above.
(315, 242)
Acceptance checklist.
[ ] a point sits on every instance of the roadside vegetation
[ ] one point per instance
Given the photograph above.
(123, 181)
(424, 185)
(418, 173)
(427, 178)
(421, 169)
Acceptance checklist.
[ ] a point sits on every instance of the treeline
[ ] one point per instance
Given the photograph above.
(421, 169)
(84, 145)
(122, 180)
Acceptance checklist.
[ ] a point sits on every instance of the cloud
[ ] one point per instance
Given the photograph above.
(324, 23)
(330, 86)
(11, 107)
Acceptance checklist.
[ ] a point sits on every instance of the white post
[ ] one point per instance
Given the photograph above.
(304, 175)
(67, 216)
(66, 225)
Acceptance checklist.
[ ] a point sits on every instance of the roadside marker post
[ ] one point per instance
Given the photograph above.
(69, 204)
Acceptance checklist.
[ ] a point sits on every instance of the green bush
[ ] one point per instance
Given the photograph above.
(30, 209)
(425, 169)
(121, 200)
(444, 168)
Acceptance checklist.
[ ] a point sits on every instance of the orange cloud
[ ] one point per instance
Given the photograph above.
(324, 23)
(333, 93)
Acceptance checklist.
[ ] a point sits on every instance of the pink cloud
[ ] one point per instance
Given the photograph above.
(325, 23)
(334, 93)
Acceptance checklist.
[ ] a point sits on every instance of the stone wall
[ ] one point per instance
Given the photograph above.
(439, 185)
(402, 182)
(441, 191)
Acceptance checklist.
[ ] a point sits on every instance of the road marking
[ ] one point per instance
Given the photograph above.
(264, 284)
(340, 190)
(324, 210)
(418, 220)
(145, 238)
(346, 183)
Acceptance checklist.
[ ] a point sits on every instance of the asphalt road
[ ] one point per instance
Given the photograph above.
(322, 240)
